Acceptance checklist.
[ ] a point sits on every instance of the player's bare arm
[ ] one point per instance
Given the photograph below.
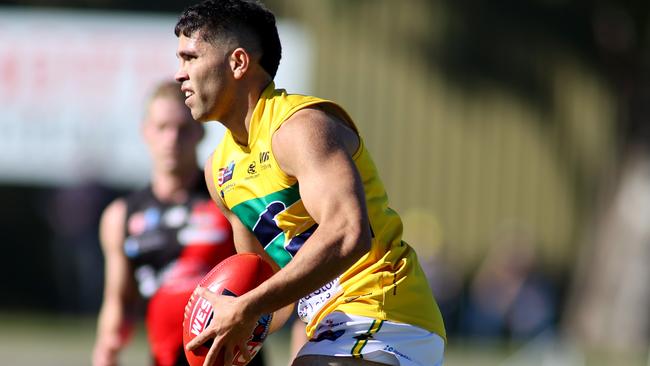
(245, 242)
(317, 149)
(114, 324)
(313, 147)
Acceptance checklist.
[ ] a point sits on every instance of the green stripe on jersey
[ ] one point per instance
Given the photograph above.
(253, 214)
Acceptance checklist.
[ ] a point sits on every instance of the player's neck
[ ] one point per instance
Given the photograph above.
(173, 187)
(239, 122)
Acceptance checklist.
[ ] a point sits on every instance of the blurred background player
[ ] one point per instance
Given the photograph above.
(160, 241)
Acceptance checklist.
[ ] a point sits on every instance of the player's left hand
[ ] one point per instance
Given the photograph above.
(230, 327)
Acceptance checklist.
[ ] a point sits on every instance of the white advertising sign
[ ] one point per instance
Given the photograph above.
(73, 86)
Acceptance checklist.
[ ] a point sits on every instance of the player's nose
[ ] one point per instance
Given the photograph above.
(181, 75)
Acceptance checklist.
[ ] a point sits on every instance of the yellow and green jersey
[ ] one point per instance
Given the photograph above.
(387, 283)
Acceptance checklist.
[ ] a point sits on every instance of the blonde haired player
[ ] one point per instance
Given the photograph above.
(159, 241)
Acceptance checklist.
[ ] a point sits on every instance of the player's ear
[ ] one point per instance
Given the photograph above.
(239, 62)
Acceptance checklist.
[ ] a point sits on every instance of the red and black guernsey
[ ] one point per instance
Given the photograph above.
(171, 247)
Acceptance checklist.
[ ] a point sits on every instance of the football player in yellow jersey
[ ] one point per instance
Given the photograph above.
(298, 186)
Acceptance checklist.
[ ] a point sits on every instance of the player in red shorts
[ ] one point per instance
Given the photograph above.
(160, 241)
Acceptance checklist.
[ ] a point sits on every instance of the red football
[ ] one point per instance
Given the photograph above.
(234, 276)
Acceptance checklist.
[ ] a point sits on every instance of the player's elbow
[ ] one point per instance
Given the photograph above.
(356, 242)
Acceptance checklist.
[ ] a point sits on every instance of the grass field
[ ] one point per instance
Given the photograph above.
(37, 339)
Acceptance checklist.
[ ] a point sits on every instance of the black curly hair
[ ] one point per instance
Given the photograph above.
(238, 19)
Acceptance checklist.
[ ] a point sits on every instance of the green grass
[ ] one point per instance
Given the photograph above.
(37, 339)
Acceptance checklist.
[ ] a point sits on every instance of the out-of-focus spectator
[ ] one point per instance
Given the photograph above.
(509, 297)
(446, 282)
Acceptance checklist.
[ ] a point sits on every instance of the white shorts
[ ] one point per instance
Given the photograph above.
(395, 344)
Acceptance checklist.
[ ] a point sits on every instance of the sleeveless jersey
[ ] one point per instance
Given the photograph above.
(387, 283)
(170, 248)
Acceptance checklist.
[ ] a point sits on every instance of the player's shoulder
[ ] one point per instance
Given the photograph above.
(316, 119)
(303, 125)
(112, 224)
(314, 128)
(314, 113)
(115, 212)
(207, 166)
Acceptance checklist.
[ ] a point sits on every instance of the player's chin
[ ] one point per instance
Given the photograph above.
(203, 114)
(172, 165)
(197, 113)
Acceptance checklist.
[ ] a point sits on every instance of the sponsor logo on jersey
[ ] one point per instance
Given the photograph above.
(203, 227)
(251, 168)
(264, 158)
(131, 247)
(309, 305)
(175, 216)
(227, 188)
(151, 218)
(225, 174)
(201, 235)
(136, 224)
